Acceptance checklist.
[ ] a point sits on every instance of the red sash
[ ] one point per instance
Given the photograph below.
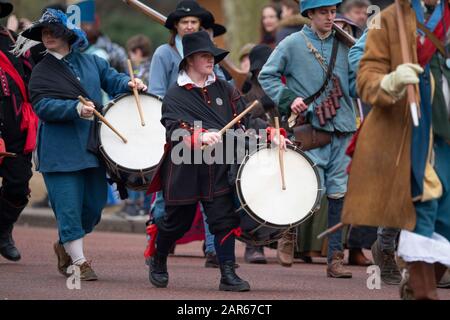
(29, 119)
(426, 50)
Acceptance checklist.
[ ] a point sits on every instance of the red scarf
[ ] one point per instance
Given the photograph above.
(29, 118)
(426, 50)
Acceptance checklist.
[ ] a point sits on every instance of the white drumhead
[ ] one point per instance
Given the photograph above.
(260, 184)
(145, 145)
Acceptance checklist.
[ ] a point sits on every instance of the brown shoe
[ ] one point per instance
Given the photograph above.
(87, 273)
(285, 250)
(336, 268)
(356, 258)
(64, 260)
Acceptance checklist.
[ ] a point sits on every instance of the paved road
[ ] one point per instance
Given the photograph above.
(118, 261)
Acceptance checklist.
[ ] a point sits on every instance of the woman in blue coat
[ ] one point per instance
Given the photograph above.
(75, 179)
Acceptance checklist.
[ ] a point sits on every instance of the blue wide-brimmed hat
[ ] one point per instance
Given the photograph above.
(306, 5)
(52, 17)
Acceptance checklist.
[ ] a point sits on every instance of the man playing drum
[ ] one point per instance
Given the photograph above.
(316, 68)
(74, 177)
(199, 96)
(187, 18)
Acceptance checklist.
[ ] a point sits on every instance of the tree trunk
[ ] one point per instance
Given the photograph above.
(243, 23)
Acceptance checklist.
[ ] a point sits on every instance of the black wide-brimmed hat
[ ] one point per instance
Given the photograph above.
(218, 30)
(259, 56)
(5, 9)
(201, 42)
(189, 8)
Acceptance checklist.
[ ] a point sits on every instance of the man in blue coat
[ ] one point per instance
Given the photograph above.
(307, 59)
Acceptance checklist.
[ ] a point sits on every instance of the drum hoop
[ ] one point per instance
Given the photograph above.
(253, 215)
(101, 148)
(124, 95)
(128, 170)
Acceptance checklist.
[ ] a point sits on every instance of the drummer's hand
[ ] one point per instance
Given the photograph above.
(12, 23)
(283, 143)
(137, 84)
(87, 110)
(210, 138)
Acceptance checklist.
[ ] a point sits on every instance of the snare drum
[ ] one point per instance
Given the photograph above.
(267, 211)
(133, 163)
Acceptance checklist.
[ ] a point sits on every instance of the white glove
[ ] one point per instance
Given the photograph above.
(395, 82)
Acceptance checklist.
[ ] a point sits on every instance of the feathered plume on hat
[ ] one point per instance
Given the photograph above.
(51, 17)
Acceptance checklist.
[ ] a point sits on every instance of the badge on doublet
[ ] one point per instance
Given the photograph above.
(219, 101)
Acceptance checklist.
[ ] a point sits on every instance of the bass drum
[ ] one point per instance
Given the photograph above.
(134, 163)
(267, 211)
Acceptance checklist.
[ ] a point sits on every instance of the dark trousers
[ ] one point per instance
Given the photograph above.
(16, 174)
(361, 237)
(220, 216)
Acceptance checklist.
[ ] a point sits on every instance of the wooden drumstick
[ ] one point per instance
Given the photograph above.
(280, 154)
(103, 119)
(7, 155)
(136, 94)
(235, 120)
(331, 230)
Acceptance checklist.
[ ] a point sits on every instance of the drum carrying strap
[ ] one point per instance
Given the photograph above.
(322, 62)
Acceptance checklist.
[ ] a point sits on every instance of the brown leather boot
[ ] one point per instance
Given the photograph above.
(336, 268)
(357, 258)
(285, 250)
(64, 260)
(439, 270)
(420, 282)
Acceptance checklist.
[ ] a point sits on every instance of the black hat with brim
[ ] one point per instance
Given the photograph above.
(189, 8)
(218, 30)
(259, 56)
(201, 42)
(5, 9)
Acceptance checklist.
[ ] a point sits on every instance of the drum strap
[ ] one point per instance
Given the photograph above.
(322, 62)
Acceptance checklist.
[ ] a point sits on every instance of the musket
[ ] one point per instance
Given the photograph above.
(406, 58)
(149, 12)
(238, 75)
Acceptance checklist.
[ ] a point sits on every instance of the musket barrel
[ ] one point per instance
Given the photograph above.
(153, 14)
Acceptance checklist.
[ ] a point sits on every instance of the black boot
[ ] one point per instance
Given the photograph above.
(229, 281)
(9, 214)
(7, 245)
(158, 275)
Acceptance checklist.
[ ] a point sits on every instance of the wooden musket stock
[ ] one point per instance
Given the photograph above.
(238, 75)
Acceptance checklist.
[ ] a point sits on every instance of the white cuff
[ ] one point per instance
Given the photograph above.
(79, 107)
